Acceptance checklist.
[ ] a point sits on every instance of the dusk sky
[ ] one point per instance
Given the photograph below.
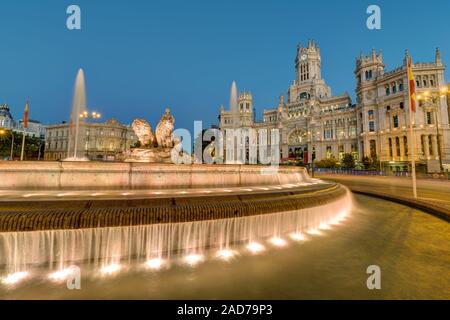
(141, 56)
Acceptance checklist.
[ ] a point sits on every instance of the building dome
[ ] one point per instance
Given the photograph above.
(4, 111)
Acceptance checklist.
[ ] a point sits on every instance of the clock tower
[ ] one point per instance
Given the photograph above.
(308, 63)
(308, 83)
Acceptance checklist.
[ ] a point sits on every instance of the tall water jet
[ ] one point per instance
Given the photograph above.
(78, 108)
(234, 100)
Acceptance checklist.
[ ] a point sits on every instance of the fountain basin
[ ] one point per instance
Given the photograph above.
(128, 176)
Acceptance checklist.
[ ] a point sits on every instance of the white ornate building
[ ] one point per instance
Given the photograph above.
(315, 123)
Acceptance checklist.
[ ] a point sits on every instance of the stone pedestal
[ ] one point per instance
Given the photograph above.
(154, 155)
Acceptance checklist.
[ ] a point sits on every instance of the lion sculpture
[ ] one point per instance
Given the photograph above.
(164, 130)
(143, 131)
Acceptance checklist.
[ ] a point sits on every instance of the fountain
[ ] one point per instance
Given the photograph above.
(234, 101)
(107, 248)
(78, 108)
(154, 147)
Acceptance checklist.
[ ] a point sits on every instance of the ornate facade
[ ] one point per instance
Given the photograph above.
(313, 123)
(97, 140)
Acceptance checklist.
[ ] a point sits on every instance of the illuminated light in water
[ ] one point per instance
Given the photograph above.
(64, 194)
(207, 191)
(324, 226)
(182, 192)
(278, 242)
(278, 188)
(226, 254)
(61, 274)
(193, 259)
(255, 247)
(31, 195)
(157, 192)
(15, 278)
(126, 193)
(227, 190)
(314, 232)
(248, 190)
(297, 236)
(96, 194)
(111, 269)
(265, 189)
(155, 263)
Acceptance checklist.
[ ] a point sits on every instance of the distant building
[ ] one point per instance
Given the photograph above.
(315, 124)
(383, 113)
(35, 128)
(6, 119)
(104, 141)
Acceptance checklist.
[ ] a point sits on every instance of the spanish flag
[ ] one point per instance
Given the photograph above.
(25, 116)
(411, 85)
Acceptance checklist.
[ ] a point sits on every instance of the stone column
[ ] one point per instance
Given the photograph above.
(426, 146)
(434, 146)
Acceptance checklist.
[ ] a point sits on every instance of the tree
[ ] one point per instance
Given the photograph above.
(32, 145)
(348, 161)
(329, 163)
(366, 162)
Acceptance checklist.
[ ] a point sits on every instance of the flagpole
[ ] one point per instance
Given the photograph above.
(23, 145)
(411, 112)
(25, 126)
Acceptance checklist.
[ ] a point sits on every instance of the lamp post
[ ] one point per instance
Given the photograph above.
(435, 99)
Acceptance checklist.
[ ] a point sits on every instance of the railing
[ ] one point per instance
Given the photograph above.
(355, 172)
(352, 172)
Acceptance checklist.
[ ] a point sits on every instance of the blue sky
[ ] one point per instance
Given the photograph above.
(141, 56)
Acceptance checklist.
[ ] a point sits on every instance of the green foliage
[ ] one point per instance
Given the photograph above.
(31, 146)
(371, 163)
(348, 161)
(329, 163)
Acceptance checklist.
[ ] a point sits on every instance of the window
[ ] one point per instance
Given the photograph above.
(394, 88)
(405, 144)
(390, 147)
(395, 120)
(429, 117)
(418, 84)
(425, 84)
(388, 91)
(402, 106)
(371, 126)
(432, 82)
(400, 87)
(397, 145)
(430, 146)
(371, 115)
(329, 153)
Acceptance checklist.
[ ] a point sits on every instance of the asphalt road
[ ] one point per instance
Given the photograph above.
(429, 190)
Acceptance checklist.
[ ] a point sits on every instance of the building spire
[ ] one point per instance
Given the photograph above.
(438, 56)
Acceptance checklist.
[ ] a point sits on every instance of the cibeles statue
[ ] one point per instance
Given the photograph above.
(153, 147)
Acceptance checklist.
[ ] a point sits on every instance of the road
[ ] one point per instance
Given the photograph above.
(429, 190)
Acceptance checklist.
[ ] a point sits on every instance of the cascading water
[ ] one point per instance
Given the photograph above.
(103, 247)
(78, 108)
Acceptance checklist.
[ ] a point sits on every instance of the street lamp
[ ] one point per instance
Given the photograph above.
(90, 115)
(434, 98)
(3, 132)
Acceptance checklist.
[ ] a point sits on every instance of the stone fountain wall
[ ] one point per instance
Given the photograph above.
(103, 175)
